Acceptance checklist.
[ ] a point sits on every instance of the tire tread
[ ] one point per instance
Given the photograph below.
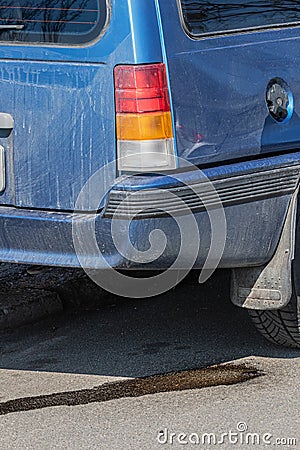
(282, 326)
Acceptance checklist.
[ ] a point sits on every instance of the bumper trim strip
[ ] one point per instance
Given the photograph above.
(152, 203)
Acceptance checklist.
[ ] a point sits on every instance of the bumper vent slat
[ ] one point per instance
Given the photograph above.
(152, 203)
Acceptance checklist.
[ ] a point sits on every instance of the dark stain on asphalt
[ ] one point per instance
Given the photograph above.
(154, 348)
(226, 374)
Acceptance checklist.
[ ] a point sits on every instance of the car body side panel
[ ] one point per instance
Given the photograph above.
(219, 88)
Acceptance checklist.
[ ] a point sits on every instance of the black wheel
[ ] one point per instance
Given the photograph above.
(280, 326)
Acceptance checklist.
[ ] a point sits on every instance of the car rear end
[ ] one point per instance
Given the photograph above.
(139, 95)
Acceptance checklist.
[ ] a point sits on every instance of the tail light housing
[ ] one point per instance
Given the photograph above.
(145, 140)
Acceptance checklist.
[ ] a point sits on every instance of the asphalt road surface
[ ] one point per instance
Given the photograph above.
(66, 360)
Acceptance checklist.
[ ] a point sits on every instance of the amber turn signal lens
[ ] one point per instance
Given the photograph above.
(144, 126)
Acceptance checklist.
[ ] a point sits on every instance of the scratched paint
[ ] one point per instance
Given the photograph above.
(64, 129)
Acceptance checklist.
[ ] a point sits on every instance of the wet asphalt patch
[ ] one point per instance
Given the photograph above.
(226, 374)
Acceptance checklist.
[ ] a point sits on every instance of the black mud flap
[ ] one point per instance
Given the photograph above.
(296, 261)
(269, 286)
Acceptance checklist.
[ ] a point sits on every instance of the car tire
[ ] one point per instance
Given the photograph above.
(281, 326)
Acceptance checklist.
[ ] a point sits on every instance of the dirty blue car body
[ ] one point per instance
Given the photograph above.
(58, 124)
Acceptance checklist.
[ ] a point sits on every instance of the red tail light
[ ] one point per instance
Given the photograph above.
(143, 118)
(141, 89)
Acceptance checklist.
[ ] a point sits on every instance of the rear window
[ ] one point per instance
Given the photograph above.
(70, 22)
(223, 16)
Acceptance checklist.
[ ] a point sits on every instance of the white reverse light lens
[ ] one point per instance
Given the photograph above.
(146, 156)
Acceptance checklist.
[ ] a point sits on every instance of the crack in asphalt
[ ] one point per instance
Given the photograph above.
(226, 374)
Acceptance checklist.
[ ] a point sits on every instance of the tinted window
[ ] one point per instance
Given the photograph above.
(205, 17)
(51, 21)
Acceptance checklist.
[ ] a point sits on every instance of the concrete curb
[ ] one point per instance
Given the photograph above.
(20, 307)
(30, 293)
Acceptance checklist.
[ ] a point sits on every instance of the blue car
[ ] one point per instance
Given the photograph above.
(155, 134)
